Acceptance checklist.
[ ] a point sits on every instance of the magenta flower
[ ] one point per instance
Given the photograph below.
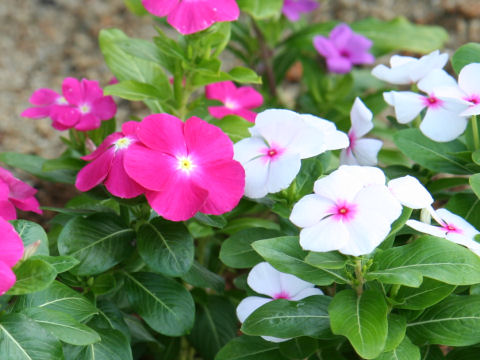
(237, 101)
(14, 193)
(191, 16)
(82, 105)
(292, 9)
(185, 167)
(11, 246)
(107, 165)
(343, 49)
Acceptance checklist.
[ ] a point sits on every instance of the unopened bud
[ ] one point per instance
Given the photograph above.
(31, 249)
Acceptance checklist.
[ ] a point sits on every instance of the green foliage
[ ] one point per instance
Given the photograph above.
(261, 9)
(465, 54)
(249, 348)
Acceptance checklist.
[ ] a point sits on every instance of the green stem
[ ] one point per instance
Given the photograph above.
(359, 276)
(394, 290)
(476, 139)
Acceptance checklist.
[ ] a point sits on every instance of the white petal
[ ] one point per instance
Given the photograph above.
(465, 241)
(347, 157)
(282, 172)
(434, 79)
(256, 175)
(472, 110)
(366, 151)
(459, 222)
(325, 236)
(248, 149)
(397, 60)
(469, 79)
(361, 118)
(248, 305)
(309, 210)
(292, 285)
(311, 291)
(407, 104)
(426, 228)
(426, 64)
(450, 92)
(443, 125)
(410, 192)
(265, 279)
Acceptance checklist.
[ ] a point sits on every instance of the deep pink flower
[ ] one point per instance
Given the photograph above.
(343, 49)
(186, 167)
(14, 193)
(11, 251)
(292, 9)
(107, 165)
(237, 101)
(82, 105)
(190, 16)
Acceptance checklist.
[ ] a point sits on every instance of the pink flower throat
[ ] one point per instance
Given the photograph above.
(474, 98)
(432, 102)
(451, 228)
(282, 295)
(343, 211)
(272, 153)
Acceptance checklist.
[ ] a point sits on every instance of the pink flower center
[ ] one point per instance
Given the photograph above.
(344, 53)
(343, 211)
(231, 104)
(352, 138)
(282, 295)
(451, 228)
(474, 99)
(272, 153)
(432, 102)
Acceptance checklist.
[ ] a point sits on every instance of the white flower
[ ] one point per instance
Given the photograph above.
(442, 121)
(351, 211)
(360, 151)
(452, 227)
(408, 70)
(265, 279)
(280, 139)
(410, 192)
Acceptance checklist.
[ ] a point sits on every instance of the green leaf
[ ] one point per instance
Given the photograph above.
(31, 233)
(63, 326)
(237, 251)
(58, 297)
(430, 154)
(215, 325)
(99, 242)
(234, 126)
(465, 54)
(286, 255)
(32, 275)
(466, 205)
(163, 303)
(454, 321)
(405, 351)
(135, 90)
(362, 319)
(240, 75)
(200, 276)
(136, 7)
(261, 9)
(428, 256)
(23, 339)
(242, 223)
(60, 263)
(397, 325)
(299, 348)
(326, 260)
(216, 221)
(429, 293)
(166, 247)
(472, 353)
(286, 319)
(474, 181)
(249, 348)
(103, 284)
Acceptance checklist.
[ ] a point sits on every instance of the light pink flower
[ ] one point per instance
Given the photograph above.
(107, 165)
(11, 246)
(443, 120)
(266, 280)
(292, 9)
(351, 211)
(360, 151)
(14, 193)
(237, 101)
(185, 167)
(190, 16)
(343, 49)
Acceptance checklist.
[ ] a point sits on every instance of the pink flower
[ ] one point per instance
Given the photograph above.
(11, 246)
(293, 8)
(82, 105)
(237, 101)
(14, 193)
(185, 167)
(190, 16)
(107, 165)
(343, 49)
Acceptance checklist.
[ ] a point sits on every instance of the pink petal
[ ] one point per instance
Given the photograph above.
(339, 65)
(340, 35)
(65, 116)
(44, 97)
(248, 97)
(91, 90)
(160, 7)
(246, 114)
(29, 204)
(325, 46)
(95, 172)
(225, 183)
(118, 182)
(36, 112)
(72, 90)
(219, 112)
(108, 142)
(130, 128)
(164, 133)
(7, 278)
(104, 107)
(88, 122)
(227, 10)
(10, 243)
(7, 210)
(220, 91)
(206, 142)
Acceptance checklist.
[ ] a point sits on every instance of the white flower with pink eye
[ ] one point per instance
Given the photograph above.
(361, 151)
(280, 139)
(406, 70)
(351, 211)
(266, 280)
(410, 192)
(452, 227)
(443, 120)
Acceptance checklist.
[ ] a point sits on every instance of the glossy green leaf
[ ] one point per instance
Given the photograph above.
(404, 351)
(103, 284)
(216, 221)
(200, 276)
(429, 293)
(32, 275)
(136, 7)
(466, 205)
(135, 90)
(59, 263)
(162, 302)
(397, 325)
(465, 54)
(474, 181)
(326, 260)
(31, 233)
(249, 348)
(471, 353)
(99, 242)
(234, 126)
(362, 319)
(261, 9)
(242, 223)
(299, 348)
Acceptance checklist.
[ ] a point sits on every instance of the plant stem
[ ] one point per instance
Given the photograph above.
(359, 276)
(476, 138)
(266, 56)
(394, 290)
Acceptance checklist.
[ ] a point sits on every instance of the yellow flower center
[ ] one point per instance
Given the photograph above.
(84, 109)
(122, 143)
(185, 164)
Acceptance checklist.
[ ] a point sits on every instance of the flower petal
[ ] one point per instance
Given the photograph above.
(327, 235)
(309, 291)
(434, 79)
(451, 218)
(282, 172)
(164, 133)
(469, 79)
(256, 176)
(10, 243)
(265, 279)
(426, 228)
(7, 278)
(361, 118)
(407, 104)
(410, 192)
(443, 125)
(220, 91)
(366, 151)
(248, 97)
(95, 172)
(118, 182)
(160, 8)
(72, 90)
(310, 210)
(248, 305)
